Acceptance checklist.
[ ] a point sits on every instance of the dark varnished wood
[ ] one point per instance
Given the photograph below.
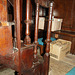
(15, 18)
(47, 56)
(41, 48)
(49, 28)
(18, 22)
(44, 3)
(3, 9)
(36, 29)
(11, 59)
(27, 39)
(27, 58)
(67, 33)
(73, 46)
(66, 10)
(21, 57)
(21, 5)
(5, 41)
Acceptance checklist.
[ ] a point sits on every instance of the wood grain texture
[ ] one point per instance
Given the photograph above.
(3, 10)
(5, 40)
(65, 9)
(27, 39)
(36, 29)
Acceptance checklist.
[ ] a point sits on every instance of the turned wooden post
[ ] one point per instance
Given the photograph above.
(36, 29)
(18, 32)
(47, 56)
(27, 39)
(15, 24)
(21, 1)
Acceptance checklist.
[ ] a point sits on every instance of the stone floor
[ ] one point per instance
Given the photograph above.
(7, 71)
(63, 66)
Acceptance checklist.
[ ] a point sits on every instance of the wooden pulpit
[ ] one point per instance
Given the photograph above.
(23, 56)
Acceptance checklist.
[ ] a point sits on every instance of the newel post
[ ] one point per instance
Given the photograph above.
(36, 29)
(27, 39)
(47, 56)
(17, 18)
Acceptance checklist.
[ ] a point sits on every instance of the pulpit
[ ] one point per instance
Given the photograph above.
(18, 55)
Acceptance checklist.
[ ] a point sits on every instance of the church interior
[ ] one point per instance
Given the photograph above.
(37, 37)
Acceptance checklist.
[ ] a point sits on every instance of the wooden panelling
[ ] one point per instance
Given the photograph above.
(65, 9)
(73, 16)
(73, 46)
(5, 41)
(3, 10)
